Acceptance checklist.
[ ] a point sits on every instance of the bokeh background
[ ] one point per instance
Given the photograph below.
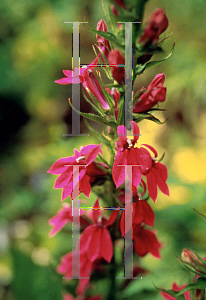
(35, 46)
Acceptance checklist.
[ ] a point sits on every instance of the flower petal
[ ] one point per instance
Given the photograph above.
(94, 245)
(106, 245)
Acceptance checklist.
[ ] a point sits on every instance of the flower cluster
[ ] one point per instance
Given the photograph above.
(100, 230)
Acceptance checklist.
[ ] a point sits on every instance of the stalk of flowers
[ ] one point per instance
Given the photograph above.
(99, 232)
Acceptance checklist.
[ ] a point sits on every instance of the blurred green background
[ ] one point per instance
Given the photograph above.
(35, 46)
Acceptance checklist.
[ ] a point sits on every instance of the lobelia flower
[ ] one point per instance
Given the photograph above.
(85, 75)
(63, 217)
(127, 154)
(155, 93)
(65, 267)
(64, 168)
(156, 176)
(158, 24)
(96, 239)
(142, 212)
(102, 42)
(116, 57)
(145, 241)
(176, 287)
(91, 83)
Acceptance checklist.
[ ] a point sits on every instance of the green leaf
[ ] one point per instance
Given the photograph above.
(155, 63)
(95, 118)
(120, 118)
(92, 104)
(101, 110)
(141, 116)
(199, 284)
(107, 35)
(109, 98)
(99, 136)
(141, 68)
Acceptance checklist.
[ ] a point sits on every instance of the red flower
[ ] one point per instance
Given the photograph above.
(63, 166)
(156, 177)
(155, 93)
(91, 83)
(77, 74)
(142, 212)
(145, 241)
(103, 43)
(158, 24)
(65, 267)
(96, 239)
(176, 288)
(116, 57)
(127, 154)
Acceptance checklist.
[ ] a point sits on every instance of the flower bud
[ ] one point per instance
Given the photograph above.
(155, 93)
(188, 256)
(116, 57)
(103, 43)
(158, 24)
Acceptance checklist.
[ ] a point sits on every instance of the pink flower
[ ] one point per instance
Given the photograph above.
(155, 93)
(77, 74)
(127, 154)
(70, 297)
(156, 176)
(90, 82)
(158, 24)
(176, 288)
(65, 267)
(85, 75)
(145, 241)
(96, 239)
(116, 57)
(103, 43)
(63, 217)
(64, 167)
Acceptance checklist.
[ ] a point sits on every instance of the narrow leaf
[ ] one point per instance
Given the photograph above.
(92, 104)
(107, 35)
(199, 284)
(95, 118)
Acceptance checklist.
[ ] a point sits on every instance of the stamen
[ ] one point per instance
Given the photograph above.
(80, 158)
(129, 142)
